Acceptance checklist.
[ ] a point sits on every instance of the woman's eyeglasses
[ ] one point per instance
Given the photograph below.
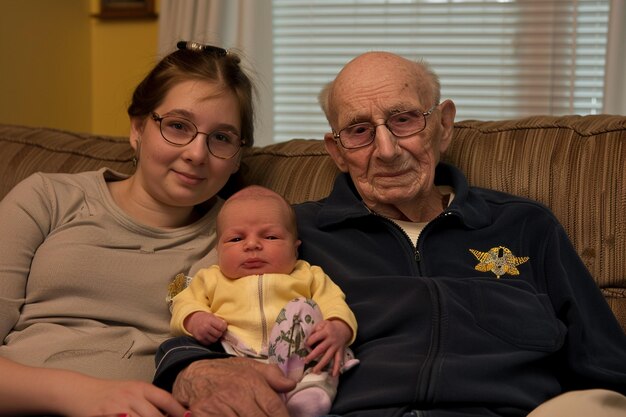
(178, 131)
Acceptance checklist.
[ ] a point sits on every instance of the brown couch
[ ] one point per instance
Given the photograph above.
(575, 165)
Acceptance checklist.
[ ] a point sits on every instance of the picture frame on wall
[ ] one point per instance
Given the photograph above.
(127, 9)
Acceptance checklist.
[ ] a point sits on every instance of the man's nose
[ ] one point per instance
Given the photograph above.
(385, 141)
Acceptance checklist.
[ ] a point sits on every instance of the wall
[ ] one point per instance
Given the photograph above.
(122, 52)
(45, 68)
(62, 67)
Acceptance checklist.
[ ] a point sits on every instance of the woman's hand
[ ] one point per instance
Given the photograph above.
(134, 398)
(31, 390)
(232, 387)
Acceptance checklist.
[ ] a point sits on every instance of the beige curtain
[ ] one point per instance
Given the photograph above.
(241, 25)
(615, 85)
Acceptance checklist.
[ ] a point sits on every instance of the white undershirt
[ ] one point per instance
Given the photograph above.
(413, 229)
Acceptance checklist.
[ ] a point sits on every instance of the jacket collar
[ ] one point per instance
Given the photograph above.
(344, 202)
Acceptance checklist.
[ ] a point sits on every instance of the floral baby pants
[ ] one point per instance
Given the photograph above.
(287, 348)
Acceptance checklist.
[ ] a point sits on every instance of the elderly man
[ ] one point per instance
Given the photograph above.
(470, 302)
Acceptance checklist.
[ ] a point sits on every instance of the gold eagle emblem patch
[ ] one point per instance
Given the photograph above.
(499, 260)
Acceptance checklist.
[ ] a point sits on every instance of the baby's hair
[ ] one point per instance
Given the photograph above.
(259, 192)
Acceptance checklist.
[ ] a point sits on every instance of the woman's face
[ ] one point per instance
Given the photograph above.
(187, 175)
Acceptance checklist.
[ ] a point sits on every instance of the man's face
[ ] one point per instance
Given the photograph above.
(391, 172)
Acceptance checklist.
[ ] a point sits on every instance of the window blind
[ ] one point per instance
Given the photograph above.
(497, 59)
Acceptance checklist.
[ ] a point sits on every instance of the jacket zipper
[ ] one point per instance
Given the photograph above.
(425, 387)
(262, 314)
(417, 255)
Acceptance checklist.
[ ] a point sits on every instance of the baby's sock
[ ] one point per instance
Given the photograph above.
(309, 402)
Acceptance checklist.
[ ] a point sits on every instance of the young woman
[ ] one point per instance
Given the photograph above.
(86, 259)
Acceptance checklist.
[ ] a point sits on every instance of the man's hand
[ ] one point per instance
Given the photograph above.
(232, 387)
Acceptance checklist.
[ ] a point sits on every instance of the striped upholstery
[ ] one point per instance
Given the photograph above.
(25, 150)
(573, 164)
(299, 169)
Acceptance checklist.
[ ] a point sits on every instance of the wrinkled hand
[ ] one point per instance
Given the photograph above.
(138, 399)
(205, 327)
(232, 387)
(328, 341)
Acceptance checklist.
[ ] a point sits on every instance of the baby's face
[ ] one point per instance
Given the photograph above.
(255, 238)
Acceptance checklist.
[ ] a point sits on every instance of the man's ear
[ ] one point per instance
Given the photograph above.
(332, 147)
(448, 111)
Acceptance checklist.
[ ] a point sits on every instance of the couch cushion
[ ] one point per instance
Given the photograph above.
(299, 169)
(26, 150)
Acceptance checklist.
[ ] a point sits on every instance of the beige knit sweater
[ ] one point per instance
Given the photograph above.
(82, 285)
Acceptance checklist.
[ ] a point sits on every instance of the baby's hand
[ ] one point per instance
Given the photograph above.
(328, 341)
(205, 327)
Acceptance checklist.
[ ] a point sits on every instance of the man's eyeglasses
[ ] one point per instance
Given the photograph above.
(401, 125)
(179, 131)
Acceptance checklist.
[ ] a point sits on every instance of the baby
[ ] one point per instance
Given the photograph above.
(262, 302)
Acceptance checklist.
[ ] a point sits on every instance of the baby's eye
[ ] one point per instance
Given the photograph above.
(271, 237)
(235, 239)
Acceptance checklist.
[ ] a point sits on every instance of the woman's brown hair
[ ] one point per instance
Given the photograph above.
(202, 63)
